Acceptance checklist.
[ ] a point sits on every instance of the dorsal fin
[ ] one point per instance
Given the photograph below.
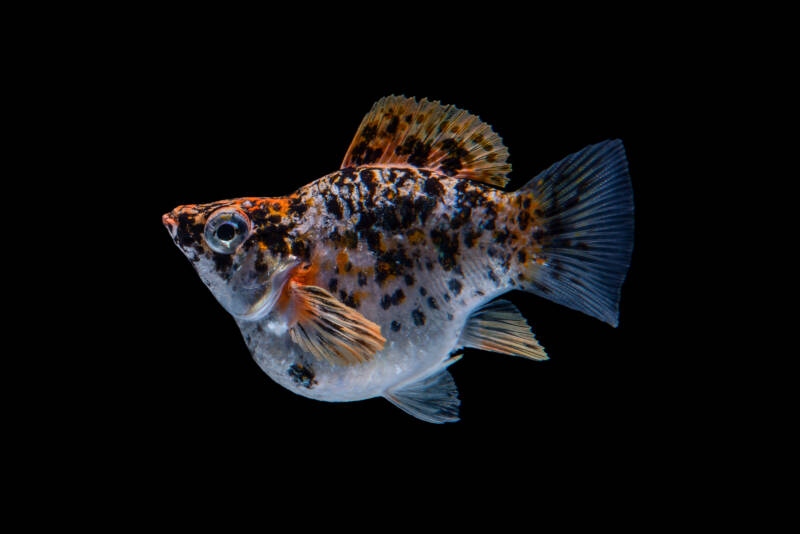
(427, 135)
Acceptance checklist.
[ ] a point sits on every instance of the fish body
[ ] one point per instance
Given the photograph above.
(367, 281)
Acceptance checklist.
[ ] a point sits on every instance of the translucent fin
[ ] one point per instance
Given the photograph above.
(427, 135)
(330, 330)
(433, 399)
(585, 239)
(499, 327)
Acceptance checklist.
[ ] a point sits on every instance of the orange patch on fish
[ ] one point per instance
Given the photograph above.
(342, 259)
(416, 237)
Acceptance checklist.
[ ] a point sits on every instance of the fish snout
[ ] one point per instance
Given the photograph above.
(170, 223)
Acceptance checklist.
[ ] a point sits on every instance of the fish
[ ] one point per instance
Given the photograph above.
(372, 280)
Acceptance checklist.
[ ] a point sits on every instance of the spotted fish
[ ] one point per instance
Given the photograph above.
(368, 281)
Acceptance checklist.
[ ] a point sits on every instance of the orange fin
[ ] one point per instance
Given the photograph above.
(500, 327)
(330, 330)
(427, 135)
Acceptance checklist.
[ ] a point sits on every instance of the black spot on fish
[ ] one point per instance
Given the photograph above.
(460, 217)
(457, 156)
(471, 237)
(387, 217)
(373, 241)
(501, 236)
(416, 151)
(368, 179)
(419, 317)
(423, 291)
(274, 238)
(455, 286)
(349, 173)
(433, 187)
(398, 297)
(301, 249)
(396, 326)
(406, 211)
(448, 248)
(223, 262)
(259, 215)
(369, 132)
(333, 285)
(302, 376)
(334, 208)
(386, 302)
(522, 256)
(350, 239)
(352, 301)
(362, 154)
(432, 303)
(449, 316)
(391, 263)
(366, 221)
(392, 126)
(423, 207)
(523, 219)
(409, 280)
(362, 279)
(447, 297)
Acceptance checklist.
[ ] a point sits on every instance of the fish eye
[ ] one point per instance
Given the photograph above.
(226, 229)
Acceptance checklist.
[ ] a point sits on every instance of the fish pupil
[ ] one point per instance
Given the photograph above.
(226, 232)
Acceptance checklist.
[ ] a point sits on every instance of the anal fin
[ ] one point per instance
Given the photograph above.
(433, 399)
(499, 327)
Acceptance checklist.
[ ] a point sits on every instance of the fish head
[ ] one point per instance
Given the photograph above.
(223, 245)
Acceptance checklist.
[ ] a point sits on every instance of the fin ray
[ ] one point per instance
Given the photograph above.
(498, 326)
(586, 236)
(330, 330)
(428, 135)
(433, 399)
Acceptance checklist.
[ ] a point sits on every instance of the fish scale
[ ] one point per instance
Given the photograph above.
(367, 281)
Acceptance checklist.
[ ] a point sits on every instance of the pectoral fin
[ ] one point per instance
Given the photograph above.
(499, 327)
(330, 330)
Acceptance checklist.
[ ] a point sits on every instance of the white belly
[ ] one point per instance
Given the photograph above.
(409, 354)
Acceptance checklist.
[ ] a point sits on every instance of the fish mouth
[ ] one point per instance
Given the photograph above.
(170, 223)
(261, 308)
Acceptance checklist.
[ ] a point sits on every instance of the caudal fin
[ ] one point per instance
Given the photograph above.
(583, 238)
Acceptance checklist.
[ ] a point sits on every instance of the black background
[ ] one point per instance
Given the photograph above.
(171, 384)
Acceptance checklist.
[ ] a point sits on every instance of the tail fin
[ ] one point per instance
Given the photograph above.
(586, 232)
